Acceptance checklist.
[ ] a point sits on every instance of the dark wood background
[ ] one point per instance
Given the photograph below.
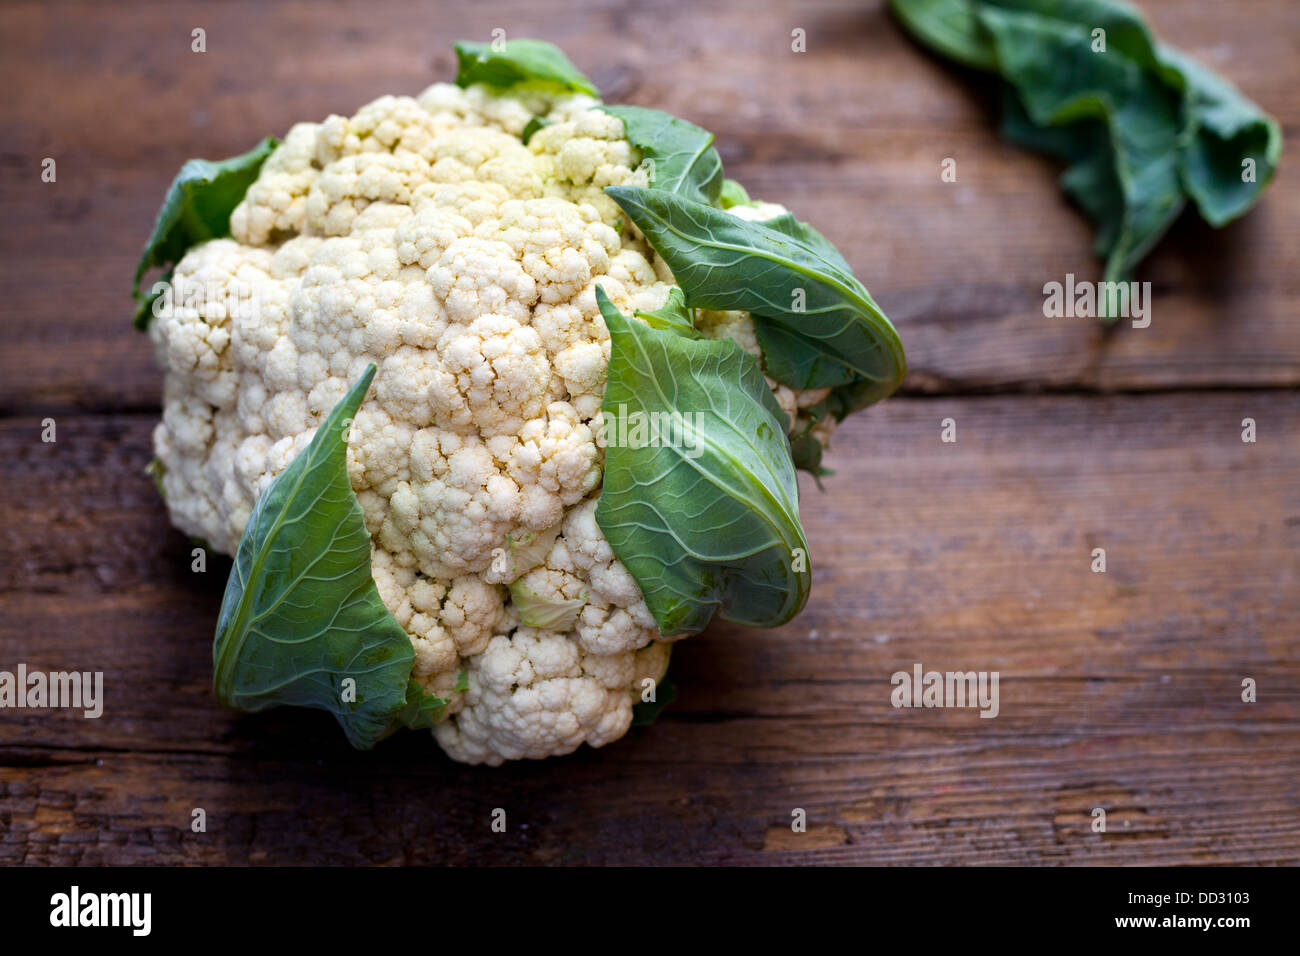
(1118, 690)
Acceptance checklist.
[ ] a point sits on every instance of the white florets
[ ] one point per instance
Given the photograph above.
(421, 234)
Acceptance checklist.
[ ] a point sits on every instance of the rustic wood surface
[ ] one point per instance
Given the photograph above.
(1118, 690)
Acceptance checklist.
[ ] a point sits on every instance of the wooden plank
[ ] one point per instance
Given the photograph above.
(850, 134)
(1119, 690)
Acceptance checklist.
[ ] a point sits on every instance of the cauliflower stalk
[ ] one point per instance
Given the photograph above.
(387, 342)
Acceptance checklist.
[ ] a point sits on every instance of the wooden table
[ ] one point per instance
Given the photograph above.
(1119, 690)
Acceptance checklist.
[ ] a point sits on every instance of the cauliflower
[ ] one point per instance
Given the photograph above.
(424, 235)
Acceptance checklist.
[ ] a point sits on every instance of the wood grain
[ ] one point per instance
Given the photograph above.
(1119, 690)
(850, 135)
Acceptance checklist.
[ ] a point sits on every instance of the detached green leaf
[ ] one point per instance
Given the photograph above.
(948, 27)
(817, 324)
(1228, 130)
(705, 516)
(684, 160)
(1142, 127)
(1089, 177)
(197, 208)
(518, 61)
(1060, 79)
(301, 613)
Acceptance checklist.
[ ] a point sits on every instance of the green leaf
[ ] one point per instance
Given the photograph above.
(301, 613)
(144, 311)
(806, 451)
(517, 61)
(1226, 129)
(734, 194)
(817, 324)
(419, 711)
(805, 448)
(706, 518)
(948, 27)
(673, 315)
(1089, 179)
(802, 232)
(529, 550)
(645, 712)
(684, 160)
(547, 614)
(1141, 126)
(197, 208)
(155, 470)
(1061, 80)
(534, 124)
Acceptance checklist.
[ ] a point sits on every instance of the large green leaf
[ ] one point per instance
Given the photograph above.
(509, 62)
(684, 160)
(706, 518)
(818, 326)
(1089, 177)
(1061, 80)
(197, 208)
(1141, 126)
(301, 613)
(948, 27)
(1226, 129)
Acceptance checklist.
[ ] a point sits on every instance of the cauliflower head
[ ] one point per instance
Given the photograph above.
(426, 236)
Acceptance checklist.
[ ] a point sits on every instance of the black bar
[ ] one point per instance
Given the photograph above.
(472, 908)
